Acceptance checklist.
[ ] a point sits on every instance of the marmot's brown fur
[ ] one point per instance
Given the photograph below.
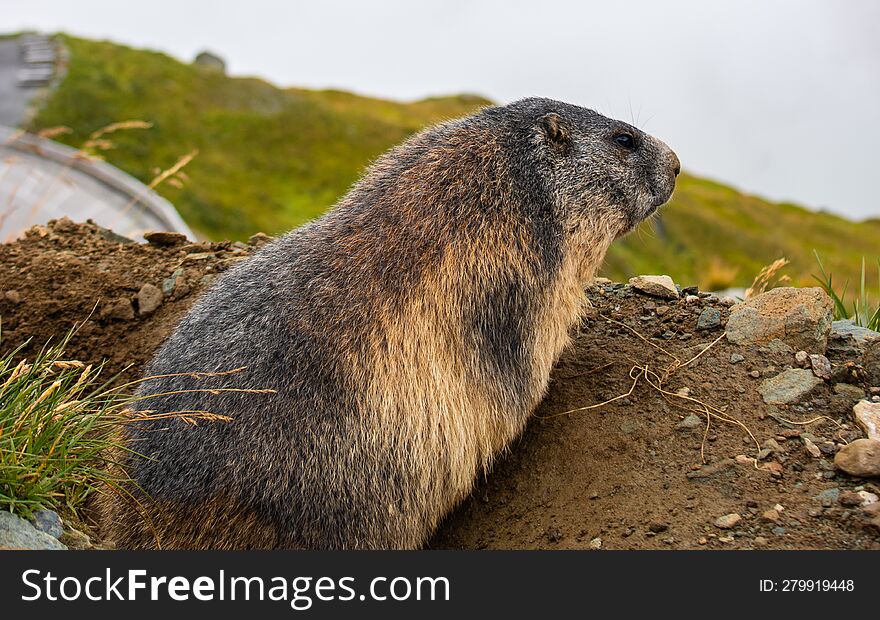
(409, 333)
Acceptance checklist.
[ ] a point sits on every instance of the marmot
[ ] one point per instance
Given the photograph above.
(409, 333)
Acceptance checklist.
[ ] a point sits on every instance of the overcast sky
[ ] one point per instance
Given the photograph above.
(779, 98)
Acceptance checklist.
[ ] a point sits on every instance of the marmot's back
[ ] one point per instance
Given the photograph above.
(408, 334)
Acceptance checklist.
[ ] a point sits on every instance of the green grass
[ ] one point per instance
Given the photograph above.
(270, 159)
(57, 424)
(860, 310)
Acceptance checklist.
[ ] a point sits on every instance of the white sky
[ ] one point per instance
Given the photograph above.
(779, 98)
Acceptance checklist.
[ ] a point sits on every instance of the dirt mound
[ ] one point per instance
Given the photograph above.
(642, 471)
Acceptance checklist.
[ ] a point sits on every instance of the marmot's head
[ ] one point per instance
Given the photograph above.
(602, 172)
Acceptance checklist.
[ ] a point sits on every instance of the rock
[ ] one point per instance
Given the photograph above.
(778, 531)
(788, 387)
(802, 359)
(658, 286)
(691, 299)
(75, 539)
(859, 458)
(165, 238)
(771, 515)
(170, 282)
(712, 471)
(554, 534)
(12, 296)
(17, 533)
(47, 521)
(853, 392)
(710, 318)
(259, 239)
(774, 467)
(871, 363)
(736, 358)
(596, 543)
(598, 281)
(728, 301)
(691, 422)
(869, 499)
(849, 498)
(812, 449)
(848, 339)
(149, 299)
(727, 522)
(800, 317)
(867, 416)
(118, 309)
(821, 366)
(658, 526)
(828, 497)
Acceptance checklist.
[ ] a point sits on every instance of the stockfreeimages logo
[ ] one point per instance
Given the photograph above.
(300, 592)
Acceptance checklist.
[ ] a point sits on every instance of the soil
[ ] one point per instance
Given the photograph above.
(636, 473)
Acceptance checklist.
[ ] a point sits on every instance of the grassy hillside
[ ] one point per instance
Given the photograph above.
(270, 159)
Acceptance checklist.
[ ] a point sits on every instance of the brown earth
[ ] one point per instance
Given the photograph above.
(632, 474)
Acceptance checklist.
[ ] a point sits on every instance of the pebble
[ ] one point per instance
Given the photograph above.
(812, 448)
(728, 301)
(149, 299)
(658, 286)
(802, 359)
(867, 415)
(771, 515)
(778, 531)
(710, 318)
(859, 458)
(728, 521)
(119, 308)
(736, 358)
(821, 366)
(554, 534)
(12, 296)
(788, 387)
(828, 497)
(849, 498)
(760, 541)
(164, 238)
(596, 543)
(690, 422)
(658, 526)
(850, 391)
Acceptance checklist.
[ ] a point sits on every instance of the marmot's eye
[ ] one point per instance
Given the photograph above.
(625, 140)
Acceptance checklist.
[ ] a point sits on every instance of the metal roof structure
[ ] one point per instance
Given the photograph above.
(42, 180)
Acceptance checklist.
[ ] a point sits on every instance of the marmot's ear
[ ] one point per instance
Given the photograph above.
(555, 130)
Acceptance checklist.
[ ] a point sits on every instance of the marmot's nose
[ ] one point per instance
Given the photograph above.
(676, 165)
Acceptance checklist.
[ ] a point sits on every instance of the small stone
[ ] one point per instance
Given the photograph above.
(684, 391)
(18, 533)
(812, 448)
(849, 498)
(690, 422)
(728, 301)
(868, 498)
(779, 508)
(554, 534)
(778, 531)
(771, 515)
(760, 541)
(859, 458)
(74, 539)
(658, 526)
(774, 468)
(702, 541)
(710, 318)
(594, 495)
(728, 521)
(867, 415)
(801, 317)
(47, 521)
(119, 308)
(12, 296)
(165, 238)
(821, 366)
(755, 374)
(852, 392)
(149, 299)
(764, 453)
(772, 446)
(596, 543)
(691, 299)
(736, 358)
(170, 282)
(658, 286)
(802, 359)
(788, 387)
(260, 239)
(742, 459)
(828, 497)
(726, 539)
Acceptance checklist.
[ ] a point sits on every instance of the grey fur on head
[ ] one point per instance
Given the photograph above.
(409, 334)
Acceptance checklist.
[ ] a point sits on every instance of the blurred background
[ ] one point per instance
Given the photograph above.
(223, 119)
